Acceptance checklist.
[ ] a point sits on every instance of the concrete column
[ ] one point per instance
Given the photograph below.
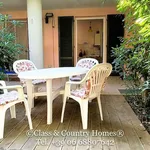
(35, 32)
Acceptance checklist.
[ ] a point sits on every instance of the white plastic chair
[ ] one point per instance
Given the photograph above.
(8, 100)
(109, 67)
(91, 86)
(27, 65)
(84, 63)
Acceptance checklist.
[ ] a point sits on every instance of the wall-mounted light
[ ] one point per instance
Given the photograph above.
(48, 15)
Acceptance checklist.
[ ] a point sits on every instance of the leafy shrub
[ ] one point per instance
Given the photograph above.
(9, 49)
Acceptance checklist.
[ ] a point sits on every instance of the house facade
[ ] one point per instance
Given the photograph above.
(43, 37)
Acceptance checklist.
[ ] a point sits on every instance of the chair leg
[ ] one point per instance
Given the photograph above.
(2, 118)
(100, 107)
(34, 90)
(13, 111)
(84, 113)
(63, 108)
(28, 114)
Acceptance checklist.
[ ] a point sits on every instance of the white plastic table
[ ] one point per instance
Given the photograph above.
(48, 74)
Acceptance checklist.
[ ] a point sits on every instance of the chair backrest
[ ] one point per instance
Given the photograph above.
(87, 63)
(108, 66)
(2, 83)
(23, 65)
(95, 78)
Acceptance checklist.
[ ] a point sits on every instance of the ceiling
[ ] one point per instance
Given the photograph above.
(57, 4)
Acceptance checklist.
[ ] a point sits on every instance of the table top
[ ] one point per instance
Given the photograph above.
(50, 73)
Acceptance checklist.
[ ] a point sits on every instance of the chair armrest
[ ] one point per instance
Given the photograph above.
(11, 87)
(69, 84)
(74, 82)
(2, 83)
(18, 87)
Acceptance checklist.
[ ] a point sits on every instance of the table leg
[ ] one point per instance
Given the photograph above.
(29, 93)
(49, 101)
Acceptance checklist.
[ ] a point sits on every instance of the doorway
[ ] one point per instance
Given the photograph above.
(65, 26)
(115, 30)
(92, 43)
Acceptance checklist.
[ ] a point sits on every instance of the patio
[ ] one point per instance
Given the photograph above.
(120, 129)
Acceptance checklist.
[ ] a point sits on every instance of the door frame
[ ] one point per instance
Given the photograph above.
(104, 36)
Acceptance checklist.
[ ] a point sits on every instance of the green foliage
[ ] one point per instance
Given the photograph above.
(2, 75)
(137, 16)
(133, 62)
(9, 49)
(132, 58)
